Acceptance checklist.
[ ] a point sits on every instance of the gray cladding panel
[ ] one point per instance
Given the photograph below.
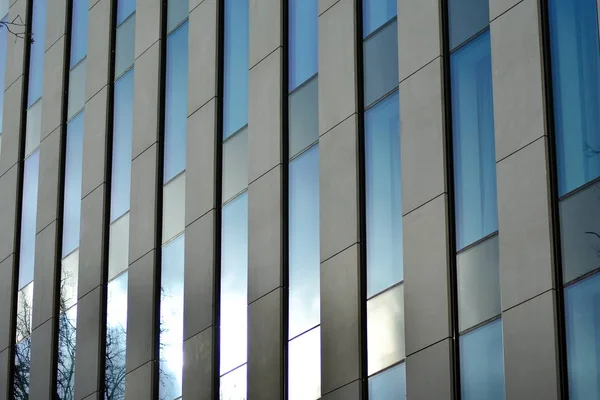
(48, 190)
(98, 53)
(6, 303)
(198, 372)
(91, 247)
(265, 29)
(429, 373)
(53, 91)
(148, 15)
(8, 211)
(11, 127)
(42, 364)
(56, 22)
(16, 48)
(95, 142)
(46, 261)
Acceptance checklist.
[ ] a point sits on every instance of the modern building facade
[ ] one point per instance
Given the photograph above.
(300, 199)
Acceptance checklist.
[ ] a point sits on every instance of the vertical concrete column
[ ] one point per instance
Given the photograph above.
(266, 286)
(201, 287)
(47, 251)
(526, 252)
(427, 255)
(94, 204)
(342, 319)
(144, 247)
(10, 174)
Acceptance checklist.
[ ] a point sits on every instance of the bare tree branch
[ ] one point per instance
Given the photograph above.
(17, 28)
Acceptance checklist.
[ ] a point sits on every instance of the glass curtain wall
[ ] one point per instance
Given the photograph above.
(67, 321)
(3, 59)
(173, 217)
(120, 192)
(29, 200)
(234, 207)
(575, 62)
(304, 317)
(385, 276)
(476, 210)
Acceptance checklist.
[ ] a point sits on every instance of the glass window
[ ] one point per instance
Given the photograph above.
(575, 55)
(28, 219)
(385, 329)
(22, 368)
(376, 13)
(173, 218)
(24, 312)
(304, 256)
(3, 59)
(381, 63)
(118, 251)
(384, 196)
(73, 176)
(116, 338)
(67, 334)
(478, 270)
(34, 128)
(234, 278)
(235, 165)
(467, 17)
(122, 142)
(305, 366)
(304, 117)
(124, 9)
(482, 363)
(36, 60)
(233, 385)
(171, 319)
(177, 12)
(176, 102)
(473, 135)
(76, 89)
(125, 52)
(79, 30)
(69, 278)
(235, 74)
(389, 384)
(303, 43)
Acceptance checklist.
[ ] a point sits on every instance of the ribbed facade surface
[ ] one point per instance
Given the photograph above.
(299, 199)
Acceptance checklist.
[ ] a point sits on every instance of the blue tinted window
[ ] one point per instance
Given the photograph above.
(171, 319)
(576, 80)
(122, 142)
(124, 9)
(303, 43)
(125, 52)
(235, 74)
(3, 56)
(176, 101)
(473, 135)
(381, 63)
(177, 12)
(482, 363)
(376, 13)
(36, 61)
(28, 218)
(116, 339)
(304, 258)
(304, 117)
(65, 379)
(73, 172)
(234, 279)
(79, 29)
(384, 196)
(467, 17)
(389, 384)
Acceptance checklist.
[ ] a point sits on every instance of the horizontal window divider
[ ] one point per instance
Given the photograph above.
(34, 103)
(125, 20)
(470, 39)
(78, 63)
(387, 289)
(234, 134)
(172, 239)
(124, 72)
(304, 150)
(232, 198)
(581, 188)
(117, 276)
(481, 324)
(68, 255)
(582, 277)
(79, 112)
(382, 27)
(382, 98)
(303, 84)
(477, 242)
(381, 371)
(305, 332)
(186, 19)
(233, 369)
(175, 177)
(119, 217)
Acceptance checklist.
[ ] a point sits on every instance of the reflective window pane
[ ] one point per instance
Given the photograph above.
(575, 53)
(473, 134)
(467, 17)
(177, 12)
(385, 329)
(303, 44)
(76, 89)
(118, 250)
(173, 208)
(22, 369)
(376, 13)
(79, 30)
(3, 62)
(67, 333)
(24, 312)
(304, 256)
(478, 274)
(34, 128)
(122, 142)
(73, 176)
(482, 363)
(116, 339)
(304, 117)
(36, 60)
(69, 278)
(235, 74)
(124, 9)
(304, 373)
(171, 319)
(233, 386)
(235, 165)
(125, 52)
(28, 219)
(234, 279)
(384, 196)
(176, 101)
(381, 63)
(389, 384)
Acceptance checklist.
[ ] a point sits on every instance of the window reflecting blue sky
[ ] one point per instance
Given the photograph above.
(73, 176)
(124, 9)
(116, 338)
(380, 63)
(376, 13)
(3, 59)
(79, 31)
(389, 384)
(28, 218)
(36, 61)
(303, 43)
